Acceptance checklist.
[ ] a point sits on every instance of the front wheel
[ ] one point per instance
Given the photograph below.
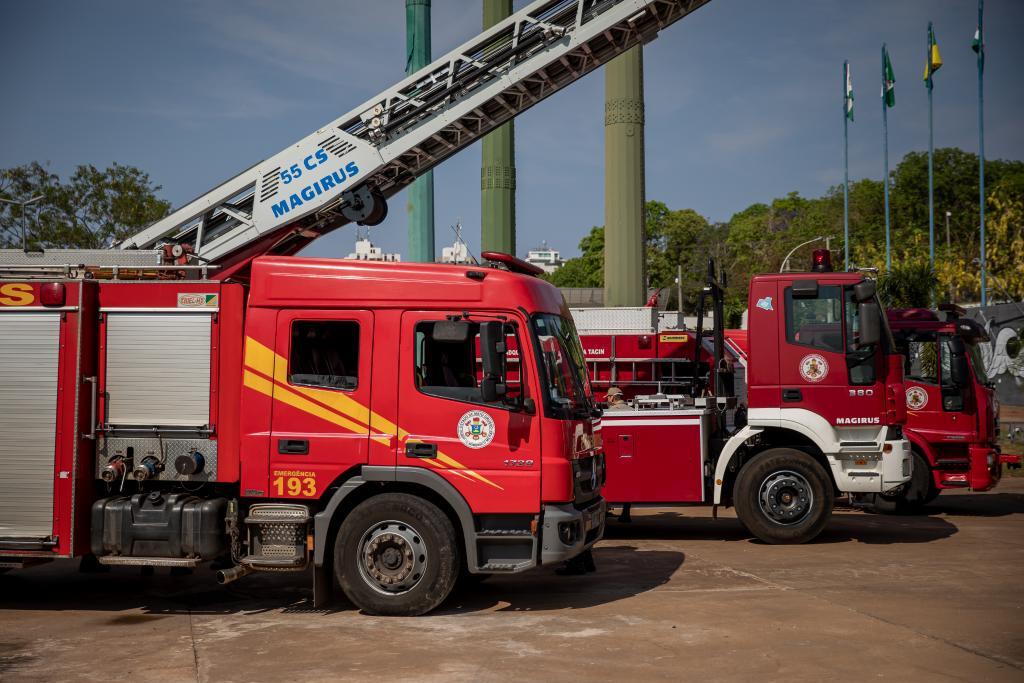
(912, 498)
(783, 496)
(396, 555)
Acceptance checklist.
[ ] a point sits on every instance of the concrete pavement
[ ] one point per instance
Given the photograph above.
(677, 596)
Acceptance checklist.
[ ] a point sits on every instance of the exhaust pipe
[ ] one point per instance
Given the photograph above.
(226, 576)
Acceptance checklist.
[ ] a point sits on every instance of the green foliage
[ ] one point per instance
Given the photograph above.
(90, 210)
(907, 286)
(586, 270)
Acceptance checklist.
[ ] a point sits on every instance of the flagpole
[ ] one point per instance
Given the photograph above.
(981, 147)
(931, 152)
(846, 170)
(885, 152)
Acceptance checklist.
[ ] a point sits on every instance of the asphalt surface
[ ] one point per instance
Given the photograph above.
(677, 596)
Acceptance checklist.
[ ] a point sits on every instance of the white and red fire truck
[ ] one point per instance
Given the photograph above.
(201, 394)
(824, 411)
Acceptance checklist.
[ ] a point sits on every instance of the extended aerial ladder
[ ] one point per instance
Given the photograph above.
(346, 170)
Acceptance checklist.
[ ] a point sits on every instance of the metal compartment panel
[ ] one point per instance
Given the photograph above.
(158, 369)
(29, 353)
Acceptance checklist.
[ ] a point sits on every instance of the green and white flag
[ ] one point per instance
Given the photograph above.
(978, 44)
(848, 97)
(888, 82)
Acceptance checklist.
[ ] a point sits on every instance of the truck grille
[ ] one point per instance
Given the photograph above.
(588, 476)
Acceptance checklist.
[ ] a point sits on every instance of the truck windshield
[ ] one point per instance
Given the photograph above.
(563, 369)
(977, 363)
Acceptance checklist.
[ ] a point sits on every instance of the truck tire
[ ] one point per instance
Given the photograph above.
(919, 491)
(396, 555)
(783, 496)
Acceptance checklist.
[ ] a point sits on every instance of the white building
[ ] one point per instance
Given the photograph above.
(365, 251)
(457, 253)
(545, 257)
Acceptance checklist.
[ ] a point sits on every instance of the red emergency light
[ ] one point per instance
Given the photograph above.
(821, 261)
(52, 294)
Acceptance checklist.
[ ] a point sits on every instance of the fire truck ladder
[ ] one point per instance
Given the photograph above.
(346, 170)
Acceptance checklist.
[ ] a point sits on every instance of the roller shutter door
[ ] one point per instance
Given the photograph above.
(158, 369)
(29, 351)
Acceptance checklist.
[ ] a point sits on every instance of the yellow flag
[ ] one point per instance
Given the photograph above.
(934, 62)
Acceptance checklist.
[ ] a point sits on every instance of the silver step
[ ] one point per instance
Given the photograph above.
(122, 561)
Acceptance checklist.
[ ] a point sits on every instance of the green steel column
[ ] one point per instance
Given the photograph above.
(624, 180)
(498, 168)
(421, 193)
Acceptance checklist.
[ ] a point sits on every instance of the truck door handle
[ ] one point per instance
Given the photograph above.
(792, 395)
(293, 446)
(420, 449)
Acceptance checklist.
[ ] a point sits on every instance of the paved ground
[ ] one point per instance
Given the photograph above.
(677, 596)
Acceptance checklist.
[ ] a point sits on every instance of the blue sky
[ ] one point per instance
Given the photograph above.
(743, 98)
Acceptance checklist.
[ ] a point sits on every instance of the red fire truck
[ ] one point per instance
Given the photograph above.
(824, 415)
(230, 402)
(326, 412)
(952, 408)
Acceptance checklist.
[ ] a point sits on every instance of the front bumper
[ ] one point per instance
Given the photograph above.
(568, 531)
(874, 472)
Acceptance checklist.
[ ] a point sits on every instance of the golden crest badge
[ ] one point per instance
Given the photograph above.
(476, 429)
(917, 398)
(813, 368)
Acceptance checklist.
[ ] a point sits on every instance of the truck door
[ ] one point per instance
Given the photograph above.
(491, 451)
(821, 367)
(321, 390)
(934, 402)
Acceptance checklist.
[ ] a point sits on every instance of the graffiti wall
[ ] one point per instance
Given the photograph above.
(1004, 363)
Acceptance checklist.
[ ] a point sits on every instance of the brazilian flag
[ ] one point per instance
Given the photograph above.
(934, 61)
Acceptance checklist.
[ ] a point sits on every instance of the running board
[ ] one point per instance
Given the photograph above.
(124, 561)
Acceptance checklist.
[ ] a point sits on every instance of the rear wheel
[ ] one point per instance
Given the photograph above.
(396, 555)
(784, 496)
(918, 492)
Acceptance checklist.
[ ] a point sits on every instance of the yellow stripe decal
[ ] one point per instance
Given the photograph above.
(334, 407)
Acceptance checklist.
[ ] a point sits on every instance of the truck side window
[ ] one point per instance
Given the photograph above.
(452, 369)
(945, 358)
(922, 362)
(325, 353)
(816, 322)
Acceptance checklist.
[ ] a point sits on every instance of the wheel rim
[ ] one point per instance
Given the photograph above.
(392, 557)
(785, 497)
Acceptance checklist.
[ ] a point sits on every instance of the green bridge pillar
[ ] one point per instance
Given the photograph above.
(498, 168)
(420, 206)
(624, 180)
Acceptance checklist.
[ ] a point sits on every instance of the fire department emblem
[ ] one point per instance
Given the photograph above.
(476, 429)
(917, 398)
(813, 368)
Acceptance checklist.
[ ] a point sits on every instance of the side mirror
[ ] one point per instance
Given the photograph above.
(492, 356)
(864, 291)
(870, 323)
(958, 362)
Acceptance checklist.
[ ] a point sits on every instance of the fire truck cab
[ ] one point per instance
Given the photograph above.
(359, 417)
(824, 414)
(952, 408)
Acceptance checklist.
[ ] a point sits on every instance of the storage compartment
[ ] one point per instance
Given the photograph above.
(159, 525)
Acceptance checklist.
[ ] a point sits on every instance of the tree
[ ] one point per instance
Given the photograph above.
(586, 270)
(907, 286)
(91, 210)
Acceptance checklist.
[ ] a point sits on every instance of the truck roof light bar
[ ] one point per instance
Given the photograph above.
(512, 263)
